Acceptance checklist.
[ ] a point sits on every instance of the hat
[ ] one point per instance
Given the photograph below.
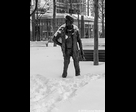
(69, 18)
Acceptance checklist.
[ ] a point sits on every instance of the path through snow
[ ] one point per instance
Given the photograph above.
(45, 93)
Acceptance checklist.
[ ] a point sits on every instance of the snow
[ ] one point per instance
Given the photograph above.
(51, 93)
(90, 97)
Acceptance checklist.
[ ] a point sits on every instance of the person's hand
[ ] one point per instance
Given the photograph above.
(82, 55)
(83, 58)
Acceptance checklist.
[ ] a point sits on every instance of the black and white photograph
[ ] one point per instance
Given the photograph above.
(67, 55)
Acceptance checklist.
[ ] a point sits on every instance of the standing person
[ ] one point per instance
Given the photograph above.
(67, 36)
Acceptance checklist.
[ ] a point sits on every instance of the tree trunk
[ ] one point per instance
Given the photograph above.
(33, 27)
(96, 53)
(82, 26)
(88, 6)
(54, 18)
(37, 26)
(78, 21)
(103, 27)
(78, 12)
(36, 3)
(70, 7)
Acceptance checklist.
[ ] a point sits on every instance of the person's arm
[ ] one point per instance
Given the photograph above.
(57, 36)
(55, 39)
(80, 45)
(79, 42)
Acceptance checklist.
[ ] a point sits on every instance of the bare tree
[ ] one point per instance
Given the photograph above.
(102, 16)
(54, 18)
(96, 53)
(32, 10)
(36, 16)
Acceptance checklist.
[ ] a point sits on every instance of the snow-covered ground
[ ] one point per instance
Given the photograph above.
(51, 93)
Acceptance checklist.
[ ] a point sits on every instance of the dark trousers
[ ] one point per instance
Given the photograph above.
(68, 54)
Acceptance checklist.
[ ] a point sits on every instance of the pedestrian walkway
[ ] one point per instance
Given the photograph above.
(49, 61)
(40, 44)
(87, 43)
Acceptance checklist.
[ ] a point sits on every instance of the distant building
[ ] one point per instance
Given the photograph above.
(63, 6)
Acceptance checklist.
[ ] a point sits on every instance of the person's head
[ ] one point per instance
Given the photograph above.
(69, 20)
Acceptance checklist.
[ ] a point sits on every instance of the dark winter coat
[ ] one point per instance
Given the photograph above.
(60, 37)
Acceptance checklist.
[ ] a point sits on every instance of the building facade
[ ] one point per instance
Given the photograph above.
(63, 6)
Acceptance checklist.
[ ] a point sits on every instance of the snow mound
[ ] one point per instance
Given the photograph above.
(45, 93)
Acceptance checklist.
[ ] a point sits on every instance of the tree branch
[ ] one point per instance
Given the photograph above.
(36, 3)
